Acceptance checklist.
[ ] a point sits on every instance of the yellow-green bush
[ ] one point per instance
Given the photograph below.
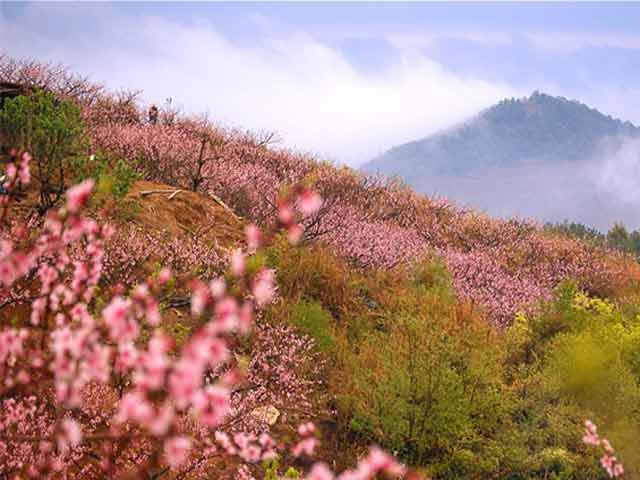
(418, 372)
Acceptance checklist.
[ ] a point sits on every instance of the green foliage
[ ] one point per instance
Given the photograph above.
(113, 181)
(179, 332)
(51, 130)
(316, 274)
(576, 230)
(112, 178)
(123, 177)
(272, 467)
(583, 354)
(311, 319)
(428, 381)
(255, 262)
(618, 237)
(423, 376)
(420, 391)
(291, 473)
(432, 277)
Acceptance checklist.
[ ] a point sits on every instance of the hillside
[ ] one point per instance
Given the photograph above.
(182, 303)
(513, 154)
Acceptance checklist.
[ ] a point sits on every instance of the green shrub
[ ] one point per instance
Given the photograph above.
(448, 394)
(317, 274)
(426, 395)
(291, 473)
(311, 319)
(51, 130)
(432, 274)
(112, 178)
(419, 373)
(577, 359)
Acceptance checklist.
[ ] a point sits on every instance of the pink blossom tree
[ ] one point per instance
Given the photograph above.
(98, 393)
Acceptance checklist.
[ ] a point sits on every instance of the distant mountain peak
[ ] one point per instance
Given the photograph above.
(539, 103)
(540, 127)
(539, 156)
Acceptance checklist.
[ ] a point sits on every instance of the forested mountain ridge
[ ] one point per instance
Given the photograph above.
(540, 157)
(540, 127)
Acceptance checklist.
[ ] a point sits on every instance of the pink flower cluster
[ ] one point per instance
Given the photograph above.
(22, 417)
(307, 443)
(609, 462)
(132, 249)
(17, 170)
(248, 446)
(375, 463)
(371, 243)
(165, 403)
(480, 279)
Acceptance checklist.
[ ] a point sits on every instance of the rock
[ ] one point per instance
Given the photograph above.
(267, 414)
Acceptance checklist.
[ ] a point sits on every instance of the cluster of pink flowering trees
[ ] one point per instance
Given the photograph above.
(374, 222)
(48, 76)
(94, 388)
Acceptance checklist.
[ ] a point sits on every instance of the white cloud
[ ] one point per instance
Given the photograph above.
(619, 172)
(289, 82)
(572, 42)
(420, 39)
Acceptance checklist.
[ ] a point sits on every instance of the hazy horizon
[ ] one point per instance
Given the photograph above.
(345, 81)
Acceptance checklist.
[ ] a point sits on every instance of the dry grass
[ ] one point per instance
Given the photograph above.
(186, 214)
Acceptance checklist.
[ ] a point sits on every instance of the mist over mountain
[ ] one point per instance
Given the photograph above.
(541, 156)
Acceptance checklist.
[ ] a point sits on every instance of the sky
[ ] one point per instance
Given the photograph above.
(345, 81)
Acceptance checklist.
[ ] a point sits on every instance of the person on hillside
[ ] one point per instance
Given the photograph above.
(153, 115)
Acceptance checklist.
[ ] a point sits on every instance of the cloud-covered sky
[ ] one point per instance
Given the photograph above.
(344, 80)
